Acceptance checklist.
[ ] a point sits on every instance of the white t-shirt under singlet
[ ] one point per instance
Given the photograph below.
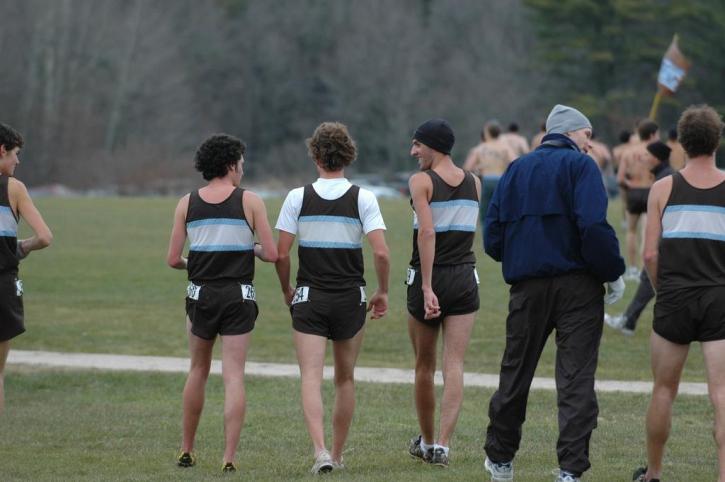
(330, 189)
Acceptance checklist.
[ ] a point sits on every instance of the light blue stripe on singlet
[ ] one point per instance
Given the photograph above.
(694, 235)
(329, 245)
(329, 219)
(455, 202)
(6, 209)
(8, 234)
(456, 227)
(224, 221)
(695, 208)
(222, 247)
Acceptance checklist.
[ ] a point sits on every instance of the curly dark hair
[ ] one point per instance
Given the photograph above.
(10, 138)
(217, 154)
(700, 128)
(332, 146)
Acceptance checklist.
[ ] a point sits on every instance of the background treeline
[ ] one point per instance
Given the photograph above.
(120, 92)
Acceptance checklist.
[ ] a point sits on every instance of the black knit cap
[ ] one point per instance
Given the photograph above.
(436, 134)
(660, 150)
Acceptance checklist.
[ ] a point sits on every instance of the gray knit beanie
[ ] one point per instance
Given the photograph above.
(563, 119)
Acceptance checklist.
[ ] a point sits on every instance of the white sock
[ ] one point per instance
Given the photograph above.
(426, 447)
(445, 449)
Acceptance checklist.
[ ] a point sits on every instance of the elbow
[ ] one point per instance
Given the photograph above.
(272, 256)
(650, 257)
(281, 258)
(382, 255)
(174, 262)
(45, 239)
(426, 234)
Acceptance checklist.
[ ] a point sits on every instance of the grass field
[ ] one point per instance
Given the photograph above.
(104, 287)
(92, 426)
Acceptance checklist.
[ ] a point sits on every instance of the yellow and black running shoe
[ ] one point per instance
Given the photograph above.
(186, 459)
(229, 467)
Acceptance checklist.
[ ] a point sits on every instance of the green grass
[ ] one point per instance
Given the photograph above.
(87, 425)
(104, 287)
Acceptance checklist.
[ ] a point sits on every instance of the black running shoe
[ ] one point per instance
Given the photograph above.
(416, 451)
(229, 467)
(186, 459)
(638, 475)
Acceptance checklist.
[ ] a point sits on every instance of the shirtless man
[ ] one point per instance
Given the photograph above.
(489, 160)
(603, 157)
(518, 143)
(635, 178)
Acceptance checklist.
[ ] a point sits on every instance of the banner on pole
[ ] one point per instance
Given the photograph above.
(673, 68)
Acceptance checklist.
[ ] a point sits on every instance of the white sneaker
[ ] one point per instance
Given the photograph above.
(499, 472)
(632, 274)
(564, 476)
(338, 465)
(323, 463)
(617, 321)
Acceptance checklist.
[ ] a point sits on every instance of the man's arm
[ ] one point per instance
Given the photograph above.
(421, 188)
(266, 250)
(178, 235)
(283, 265)
(27, 210)
(658, 195)
(599, 244)
(623, 166)
(379, 300)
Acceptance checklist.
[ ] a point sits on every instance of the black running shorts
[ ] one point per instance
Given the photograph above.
(456, 287)
(11, 307)
(337, 315)
(637, 200)
(700, 318)
(221, 308)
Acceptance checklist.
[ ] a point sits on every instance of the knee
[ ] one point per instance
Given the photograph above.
(344, 379)
(717, 398)
(199, 371)
(665, 390)
(453, 371)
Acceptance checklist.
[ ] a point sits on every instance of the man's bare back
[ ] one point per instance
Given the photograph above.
(634, 172)
(490, 158)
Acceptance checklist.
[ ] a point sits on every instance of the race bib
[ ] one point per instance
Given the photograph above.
(248, 292)
(301, 295)
(410, 277)
(18, 287)
(192, 291)
(475, 275)
(363, 297)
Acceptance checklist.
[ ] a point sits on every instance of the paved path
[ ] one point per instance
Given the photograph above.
(363, 374)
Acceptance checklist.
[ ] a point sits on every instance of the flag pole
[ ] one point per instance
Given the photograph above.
(655, 104)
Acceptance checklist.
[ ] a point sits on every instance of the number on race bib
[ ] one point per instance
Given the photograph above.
(301, 295)
(192, 291)
(248, 293)
(410, 276)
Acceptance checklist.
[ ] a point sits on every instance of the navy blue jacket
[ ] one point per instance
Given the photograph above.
(548, 216)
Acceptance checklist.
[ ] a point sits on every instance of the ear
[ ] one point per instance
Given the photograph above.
(3, 151)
